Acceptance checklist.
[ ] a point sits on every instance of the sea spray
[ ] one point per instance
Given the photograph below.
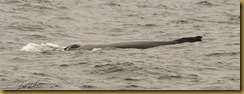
(33, 47)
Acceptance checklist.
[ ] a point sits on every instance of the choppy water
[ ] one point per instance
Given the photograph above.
(213, 64)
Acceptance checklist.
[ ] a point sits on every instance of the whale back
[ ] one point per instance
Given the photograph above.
(139, 44)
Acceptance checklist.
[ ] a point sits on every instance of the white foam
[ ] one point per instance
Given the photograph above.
(33, 47)
(96, 49)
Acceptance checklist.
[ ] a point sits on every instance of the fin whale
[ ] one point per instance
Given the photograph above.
(136, 44)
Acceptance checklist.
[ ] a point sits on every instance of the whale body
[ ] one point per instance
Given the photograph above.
(135, 44)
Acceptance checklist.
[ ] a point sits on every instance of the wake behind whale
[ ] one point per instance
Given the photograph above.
(34, 47)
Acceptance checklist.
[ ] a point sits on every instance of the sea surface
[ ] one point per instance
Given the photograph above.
(33, 33)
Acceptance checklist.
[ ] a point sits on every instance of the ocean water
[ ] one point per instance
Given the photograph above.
(33, 33)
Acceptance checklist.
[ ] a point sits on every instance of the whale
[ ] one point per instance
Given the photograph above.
(134, 44)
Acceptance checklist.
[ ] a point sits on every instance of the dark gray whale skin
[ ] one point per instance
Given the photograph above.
(136, 44)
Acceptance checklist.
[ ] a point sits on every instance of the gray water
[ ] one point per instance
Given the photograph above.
(213, 64)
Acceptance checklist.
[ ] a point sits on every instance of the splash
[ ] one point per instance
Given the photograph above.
(33, 47)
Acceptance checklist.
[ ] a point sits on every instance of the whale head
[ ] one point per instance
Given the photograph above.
(190, 39)
(71, 47)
